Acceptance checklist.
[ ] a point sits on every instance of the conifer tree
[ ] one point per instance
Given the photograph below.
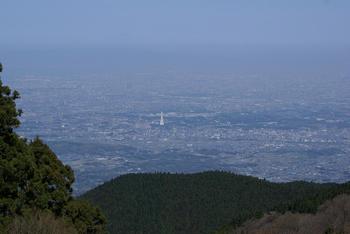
(32, 177)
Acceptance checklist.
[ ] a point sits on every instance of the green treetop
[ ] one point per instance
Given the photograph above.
(33, 178)
(8, 110)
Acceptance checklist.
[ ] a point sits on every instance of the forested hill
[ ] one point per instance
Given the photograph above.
(199, 203)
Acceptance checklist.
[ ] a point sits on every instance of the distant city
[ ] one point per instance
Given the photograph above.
(277, 130)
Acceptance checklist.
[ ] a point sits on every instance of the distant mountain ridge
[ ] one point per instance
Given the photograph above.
(200, 203)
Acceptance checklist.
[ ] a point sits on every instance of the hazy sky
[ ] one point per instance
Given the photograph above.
(164, 22)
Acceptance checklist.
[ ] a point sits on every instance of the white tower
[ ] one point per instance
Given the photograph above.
(161, 123)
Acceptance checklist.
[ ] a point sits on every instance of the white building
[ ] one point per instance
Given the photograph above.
(161, 123)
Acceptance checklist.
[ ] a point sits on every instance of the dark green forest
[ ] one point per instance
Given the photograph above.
(34, 181)
(200, 203)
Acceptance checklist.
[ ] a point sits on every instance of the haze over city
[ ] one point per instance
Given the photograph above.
(255, 87)
(175, 117)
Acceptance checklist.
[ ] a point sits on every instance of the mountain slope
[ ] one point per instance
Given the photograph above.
(332, 217)
(198, 203)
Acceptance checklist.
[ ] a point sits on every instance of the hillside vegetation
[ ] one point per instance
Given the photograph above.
(332, 217)
(200, 203)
